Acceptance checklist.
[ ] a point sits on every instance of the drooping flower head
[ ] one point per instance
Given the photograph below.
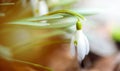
(80, 42)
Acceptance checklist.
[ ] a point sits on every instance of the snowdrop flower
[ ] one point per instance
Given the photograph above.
(79, 41)
(39, 7)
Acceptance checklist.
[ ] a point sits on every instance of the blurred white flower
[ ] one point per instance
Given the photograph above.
(39, 7)
(79, 41)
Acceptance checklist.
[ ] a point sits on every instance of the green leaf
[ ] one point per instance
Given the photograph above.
(87, 12)
(7, 3)
(38, 25)
(40, 18)
(33, 64)
(116, 33)
(28, 23)
(23, 46)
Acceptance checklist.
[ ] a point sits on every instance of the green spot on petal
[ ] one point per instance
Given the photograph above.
(75, 43)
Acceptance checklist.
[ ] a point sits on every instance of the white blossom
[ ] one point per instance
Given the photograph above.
(39, 7)
(81, 44)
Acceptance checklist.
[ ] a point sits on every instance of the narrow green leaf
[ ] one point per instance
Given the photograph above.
(23, 46)
(87, 12)
(30, 45)
(7, 3)
(28, 23)
(40, 18)
(116, 33)
(33, 64)
(36, 25)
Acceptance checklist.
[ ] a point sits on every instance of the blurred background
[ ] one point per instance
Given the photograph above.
(27, 46)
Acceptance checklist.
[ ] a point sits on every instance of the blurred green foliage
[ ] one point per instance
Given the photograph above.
(116, 33)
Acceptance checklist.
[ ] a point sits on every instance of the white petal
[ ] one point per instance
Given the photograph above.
(72, 46)
(82, 45)
(34, 4)
(87, 45)
(43, 9)
(83, 40)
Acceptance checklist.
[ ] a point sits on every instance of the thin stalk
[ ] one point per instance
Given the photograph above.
(67, 12)
(77, 15)
(33, 64)
(7, 3)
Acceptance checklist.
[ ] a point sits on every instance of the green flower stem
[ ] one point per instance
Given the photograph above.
(79, 17)
(78, 25)
(67, 12)
(33, 64)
